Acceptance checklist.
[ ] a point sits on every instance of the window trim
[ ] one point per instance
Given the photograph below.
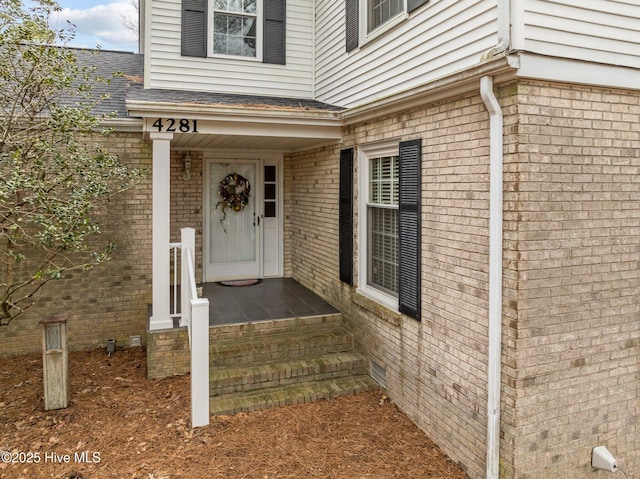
(259, 34)
(365, 153)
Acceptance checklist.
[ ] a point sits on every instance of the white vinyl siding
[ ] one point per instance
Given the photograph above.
(603, 31)
(440, 37)
(166, 68)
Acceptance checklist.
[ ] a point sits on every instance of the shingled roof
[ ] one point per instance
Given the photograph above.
(137, 93)
(130, 87)
(106, 63)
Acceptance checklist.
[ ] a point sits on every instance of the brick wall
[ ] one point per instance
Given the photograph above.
(575, 217)
(186, 201)
(311, 216)
(168, 353)
(109, 301)
(435, 369)
(571, 337)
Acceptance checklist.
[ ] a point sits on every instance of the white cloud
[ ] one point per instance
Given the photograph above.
(100, 23)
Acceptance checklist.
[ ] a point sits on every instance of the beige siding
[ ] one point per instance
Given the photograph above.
(605, 31)
(442, 37)
(168, 69)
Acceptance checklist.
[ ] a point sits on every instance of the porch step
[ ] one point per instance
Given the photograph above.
(290, 394)
(277, 363)
(270, 327)
(280, 347)
(230, 379)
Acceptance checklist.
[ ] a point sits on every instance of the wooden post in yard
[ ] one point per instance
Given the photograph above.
(55, 363)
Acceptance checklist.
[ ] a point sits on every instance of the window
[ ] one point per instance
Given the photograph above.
(378, 258)
(367, 19)
(235, 27)
(381, 11)
(247, 29)
(389, 237)
(382, 224)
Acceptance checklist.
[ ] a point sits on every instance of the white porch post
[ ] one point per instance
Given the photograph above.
(199, 362)
(161, 318)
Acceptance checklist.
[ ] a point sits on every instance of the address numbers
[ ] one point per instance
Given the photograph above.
(176, 125)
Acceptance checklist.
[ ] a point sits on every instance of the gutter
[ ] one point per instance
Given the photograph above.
(457, 83)
(123, 124)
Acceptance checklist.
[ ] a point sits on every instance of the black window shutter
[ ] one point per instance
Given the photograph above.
(414, 4)
(409, 186)
(274, 32)
(345, 216)
(351, 24)
(194, 28)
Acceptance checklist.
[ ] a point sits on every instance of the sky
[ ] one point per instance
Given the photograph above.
(98, 22)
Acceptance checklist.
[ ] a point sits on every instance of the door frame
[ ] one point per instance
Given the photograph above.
(262, 160)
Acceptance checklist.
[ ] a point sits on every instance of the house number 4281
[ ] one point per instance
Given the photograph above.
(176, 125)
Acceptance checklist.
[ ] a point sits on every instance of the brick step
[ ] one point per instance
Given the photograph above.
(266, 328)
(280, 347)
(234, 403)
(249, 377)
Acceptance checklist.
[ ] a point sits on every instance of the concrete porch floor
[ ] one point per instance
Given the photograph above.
(273, 298)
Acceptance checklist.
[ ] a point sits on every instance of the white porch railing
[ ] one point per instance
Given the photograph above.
(194, 314)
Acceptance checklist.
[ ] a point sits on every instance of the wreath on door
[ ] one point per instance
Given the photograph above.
(235, 191)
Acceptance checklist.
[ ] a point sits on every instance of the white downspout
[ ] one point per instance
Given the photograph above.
(495, 276)
(494, 366)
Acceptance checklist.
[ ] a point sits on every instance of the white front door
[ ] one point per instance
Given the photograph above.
(233, 237)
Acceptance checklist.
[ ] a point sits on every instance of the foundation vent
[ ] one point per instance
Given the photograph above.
(379, 373)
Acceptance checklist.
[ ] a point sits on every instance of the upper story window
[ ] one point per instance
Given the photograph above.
(235, 25)
(381, 11)
(367, 19)
(245, 29)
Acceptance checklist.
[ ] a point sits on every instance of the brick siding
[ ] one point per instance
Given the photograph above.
(187, 202)
(570, 284)
(575, 218)
(109, 301)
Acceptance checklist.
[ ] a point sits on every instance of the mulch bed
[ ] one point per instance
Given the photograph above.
(120, 425)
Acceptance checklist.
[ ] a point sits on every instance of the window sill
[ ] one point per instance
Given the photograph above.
(382, 311)
(220, 56)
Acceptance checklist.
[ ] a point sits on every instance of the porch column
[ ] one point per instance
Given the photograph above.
(161, 318)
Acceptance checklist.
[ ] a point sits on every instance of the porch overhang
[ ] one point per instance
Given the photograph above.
(213, 121)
